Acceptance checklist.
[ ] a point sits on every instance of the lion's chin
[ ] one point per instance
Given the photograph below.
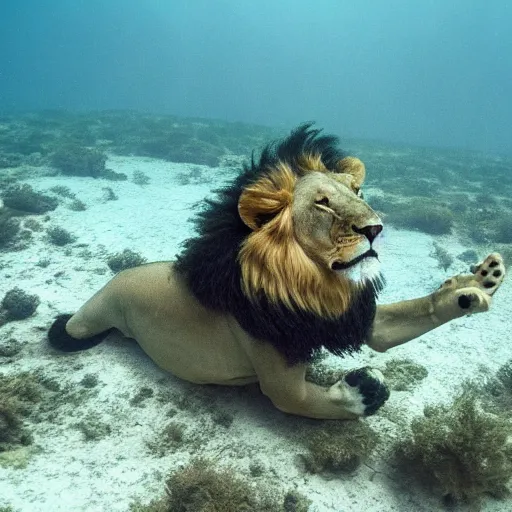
(362, 269)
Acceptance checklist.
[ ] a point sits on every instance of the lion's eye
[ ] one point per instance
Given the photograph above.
(324, 201)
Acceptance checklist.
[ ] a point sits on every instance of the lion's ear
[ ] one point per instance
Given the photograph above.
(354, 166)
(265, 198)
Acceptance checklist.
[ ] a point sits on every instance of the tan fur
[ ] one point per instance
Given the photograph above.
(271, 194)
(311, 162)
(355, 168)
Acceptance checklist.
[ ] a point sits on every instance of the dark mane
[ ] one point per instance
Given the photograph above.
(303, 140)
(211, 270)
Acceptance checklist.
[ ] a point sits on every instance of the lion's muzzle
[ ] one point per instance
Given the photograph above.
(341, 265)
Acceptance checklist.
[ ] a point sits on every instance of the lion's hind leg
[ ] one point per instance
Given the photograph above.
(59, 338)
(87, 327)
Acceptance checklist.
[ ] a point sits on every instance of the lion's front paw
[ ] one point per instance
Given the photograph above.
(489, 274)
(367, 390)
(469, 293)
(486, 276)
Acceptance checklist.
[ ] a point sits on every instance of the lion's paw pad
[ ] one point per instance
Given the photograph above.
(373, 391)
(490, 273)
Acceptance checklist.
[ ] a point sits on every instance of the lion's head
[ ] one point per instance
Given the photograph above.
(288, 248)
(312, 234)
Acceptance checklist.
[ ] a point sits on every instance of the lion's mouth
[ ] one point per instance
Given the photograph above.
(343, 265)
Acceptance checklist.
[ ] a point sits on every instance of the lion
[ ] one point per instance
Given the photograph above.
(283, 265)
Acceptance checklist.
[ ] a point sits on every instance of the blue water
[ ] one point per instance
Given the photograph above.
(120, 114)
(428, 73)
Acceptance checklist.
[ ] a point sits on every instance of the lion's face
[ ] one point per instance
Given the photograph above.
(311, 244)
(334, 226)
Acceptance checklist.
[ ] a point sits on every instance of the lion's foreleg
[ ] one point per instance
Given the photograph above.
(401, 322)
(359, 393)
(458, 296)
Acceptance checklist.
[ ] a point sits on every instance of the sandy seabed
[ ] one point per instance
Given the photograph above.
(67, 473)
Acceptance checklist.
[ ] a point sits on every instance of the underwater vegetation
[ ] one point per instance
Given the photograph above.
(9, 229)
(25, 199)
(423, 215)
(60, 236)
(193, 176)
(140, 178)
(201, 486)
(92, 427)
(76, 160)
(469, 256)
(10, 347)
(28, 399)
(499, 388)
(338, 446)
(438, 216)
(17, 305)
(403, 374)
(125, 259)
(460, 449)
(17, 395)
(322, 374)
(444, 258)
(77, 205)
(76, 143)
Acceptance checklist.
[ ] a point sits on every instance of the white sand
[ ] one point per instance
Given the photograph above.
(72, 474)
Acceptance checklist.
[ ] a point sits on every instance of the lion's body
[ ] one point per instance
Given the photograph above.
(152, 305)
(282, 266)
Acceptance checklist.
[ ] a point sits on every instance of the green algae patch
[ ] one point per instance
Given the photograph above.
(19, 394)
(28, 399)
(338, 446)
(499, 388)
(403, 374)
(93, 427)
(18, 458)
(463, 451)
(202, 486)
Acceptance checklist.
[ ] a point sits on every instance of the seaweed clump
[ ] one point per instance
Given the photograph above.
(403, 374)
(321, 373)
(17, 305)
(201, 487)
(499, 388)
(461, 449)
(25, 199)
(9, 229)
(93, 428)
(123, 260)
(431, 218)
(296, 502)
(338, 446)
(60, 236)
(76, 160)
(17, 395)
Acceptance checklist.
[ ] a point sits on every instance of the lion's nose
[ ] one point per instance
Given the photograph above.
(369, 232)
